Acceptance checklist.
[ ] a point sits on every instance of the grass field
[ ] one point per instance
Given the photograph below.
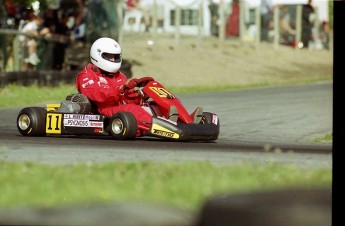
(184, 185)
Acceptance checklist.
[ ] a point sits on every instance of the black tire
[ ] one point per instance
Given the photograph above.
(31, 121)
(206, 118)
(123, 126)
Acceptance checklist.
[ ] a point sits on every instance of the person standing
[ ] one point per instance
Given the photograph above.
(308, 17)
(233, 21)
(62, 33)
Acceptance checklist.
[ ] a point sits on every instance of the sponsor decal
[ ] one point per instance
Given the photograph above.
(163, 132)
(215, 119)
(80, 116)
(161, 92)
(76, 122)
(96, 124)
(102, 80)
(97, 130)
(81, 123)
(92, 117)
(86, 84)
(73, 116)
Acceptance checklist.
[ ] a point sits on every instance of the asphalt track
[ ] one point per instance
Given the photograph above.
(259, 125)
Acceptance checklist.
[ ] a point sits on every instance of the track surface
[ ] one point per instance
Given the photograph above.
(261, 125)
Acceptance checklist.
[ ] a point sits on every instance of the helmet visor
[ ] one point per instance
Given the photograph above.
(112, 57)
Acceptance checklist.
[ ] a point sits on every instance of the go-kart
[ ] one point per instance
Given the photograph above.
(77, 115)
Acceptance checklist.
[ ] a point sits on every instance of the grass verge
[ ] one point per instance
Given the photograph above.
(184, 185)
(328, 138)
(18, 95)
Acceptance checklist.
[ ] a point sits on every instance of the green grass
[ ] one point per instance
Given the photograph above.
(184, 185)
(328, 138)
(18, 95)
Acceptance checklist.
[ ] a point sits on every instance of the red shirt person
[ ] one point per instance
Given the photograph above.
(103, 83)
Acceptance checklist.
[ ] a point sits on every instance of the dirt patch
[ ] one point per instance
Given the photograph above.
(209, 62)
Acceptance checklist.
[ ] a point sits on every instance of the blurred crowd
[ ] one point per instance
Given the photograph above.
(49, 30)
(318, 35)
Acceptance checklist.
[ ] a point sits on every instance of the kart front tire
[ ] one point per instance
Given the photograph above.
(123, 126)
(31, 121)
(206, 118)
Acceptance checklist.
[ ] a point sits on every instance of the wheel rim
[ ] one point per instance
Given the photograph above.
(24, 122)
(117, 126)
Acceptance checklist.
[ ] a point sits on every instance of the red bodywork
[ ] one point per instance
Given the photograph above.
(165, 99)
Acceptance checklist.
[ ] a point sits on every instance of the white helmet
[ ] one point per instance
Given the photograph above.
(105, 53)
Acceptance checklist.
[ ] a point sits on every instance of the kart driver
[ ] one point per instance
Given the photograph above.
(103, 83)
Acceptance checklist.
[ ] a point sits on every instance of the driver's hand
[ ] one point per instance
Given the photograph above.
(130, 84)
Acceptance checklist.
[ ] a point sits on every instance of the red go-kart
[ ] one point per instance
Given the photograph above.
(77, 115)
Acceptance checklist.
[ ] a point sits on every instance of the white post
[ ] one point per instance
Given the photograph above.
(200, 21)
(120, 8)
(258, 26)
(298, 24)
(316, 36)
(276, 26)
(242, 20)
(177, 24)
(154, 18)
(221, 28)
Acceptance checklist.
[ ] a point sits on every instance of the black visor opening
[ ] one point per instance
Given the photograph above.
(116, 58)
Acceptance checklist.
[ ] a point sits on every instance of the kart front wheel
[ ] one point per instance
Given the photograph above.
(123, 125)
(31, 121)
(206, 118)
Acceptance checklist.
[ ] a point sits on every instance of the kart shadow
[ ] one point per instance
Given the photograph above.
(105, 137)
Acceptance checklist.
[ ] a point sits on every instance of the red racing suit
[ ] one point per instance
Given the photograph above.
(105, 92)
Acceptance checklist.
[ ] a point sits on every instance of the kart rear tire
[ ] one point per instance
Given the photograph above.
(31, 121)
(123, 126)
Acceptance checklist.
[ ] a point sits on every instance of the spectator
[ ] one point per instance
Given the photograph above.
(308, 17)
(62, 34)
(80, 22)
(32, 28)
(266, 19)
(233, 20)
(214, 8)
(286, 31)
(324, 34)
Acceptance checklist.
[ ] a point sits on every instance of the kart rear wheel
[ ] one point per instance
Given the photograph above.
(123, 125)
(31, 121)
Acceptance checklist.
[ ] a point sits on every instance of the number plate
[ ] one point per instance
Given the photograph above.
(53, 124)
